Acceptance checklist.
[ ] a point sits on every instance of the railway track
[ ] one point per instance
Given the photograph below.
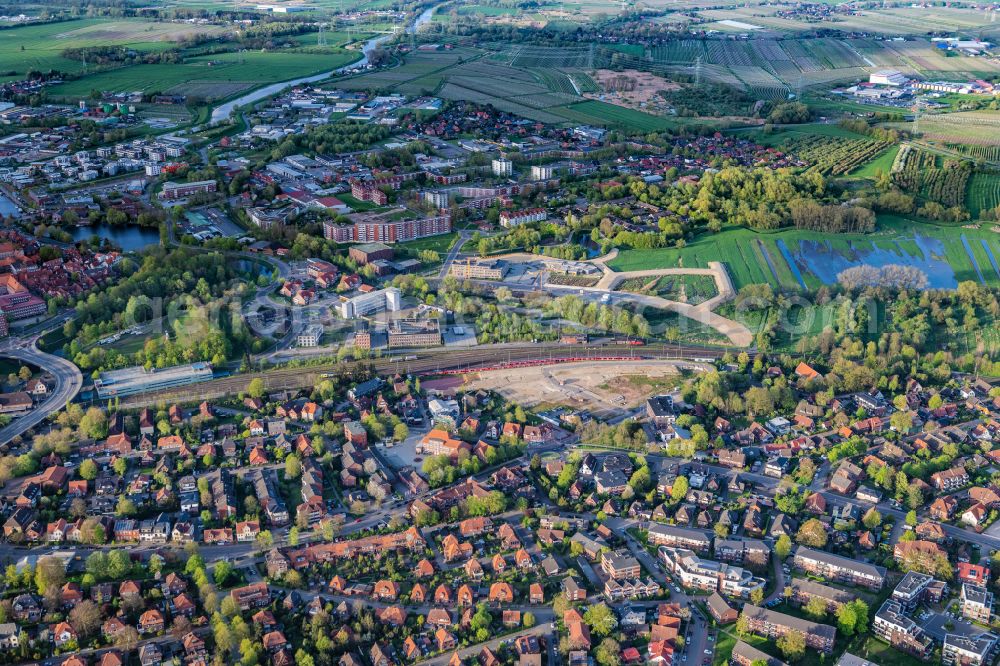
(426, 363)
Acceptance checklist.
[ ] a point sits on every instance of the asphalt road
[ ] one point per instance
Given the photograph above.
(67, 376)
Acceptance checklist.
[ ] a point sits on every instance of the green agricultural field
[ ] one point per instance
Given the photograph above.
(983, 193)
(40, 47)
(882, 163)
(603, 114)
(238, 71)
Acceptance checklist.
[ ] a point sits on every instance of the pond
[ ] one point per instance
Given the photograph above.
(128, 237)
(824, 261)
(7, 208)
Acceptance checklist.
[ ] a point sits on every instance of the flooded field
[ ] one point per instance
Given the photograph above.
(794, 259)
(825, 261)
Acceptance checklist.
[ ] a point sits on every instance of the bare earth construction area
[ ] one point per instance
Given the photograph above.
(607, 389)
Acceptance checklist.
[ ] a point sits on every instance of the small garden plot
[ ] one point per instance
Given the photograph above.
(693, 289)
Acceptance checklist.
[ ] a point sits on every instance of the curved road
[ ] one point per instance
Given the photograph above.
(67, 376)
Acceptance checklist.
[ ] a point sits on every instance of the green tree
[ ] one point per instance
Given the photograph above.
(812, 533)
(792, 645)
(293, 467)
(50, 574)
(223, 571)
(88, 470)
(679, 489)
(256, 388)
(816, 608)
(872, 518)
(608, 653)
(94, 424)
(601, 619)
(783, 546)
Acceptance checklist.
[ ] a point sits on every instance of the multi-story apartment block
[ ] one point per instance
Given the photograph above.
(708, 575)
(678, 537)
(620, 565)
(839, 568)
(915, 588)
(893, 626)
(382, 228)
(968, 651)
(515, 218)
(173, 190)
(977, 603)
(950, 479)
(803, 590)
(772, 624)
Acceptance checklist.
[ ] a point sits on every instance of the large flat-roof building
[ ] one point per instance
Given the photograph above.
(479, 269)
(887, 77)
(383, 300)
(129, 381)
(405, 333)
(173, 190)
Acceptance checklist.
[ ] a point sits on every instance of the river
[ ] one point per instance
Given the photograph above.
(225, 110)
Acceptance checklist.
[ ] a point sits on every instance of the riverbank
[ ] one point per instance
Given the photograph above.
(223, 111)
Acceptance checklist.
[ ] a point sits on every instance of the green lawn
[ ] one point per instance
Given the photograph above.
(884, 655)
(440, 244)
(882, 163)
